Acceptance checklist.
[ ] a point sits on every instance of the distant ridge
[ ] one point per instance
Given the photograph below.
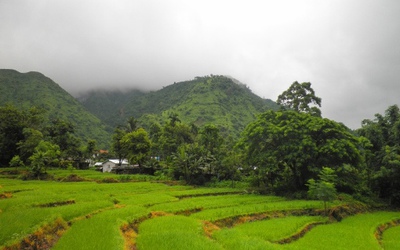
(25, 90)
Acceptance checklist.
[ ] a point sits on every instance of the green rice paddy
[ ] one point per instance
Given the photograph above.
(164, 216)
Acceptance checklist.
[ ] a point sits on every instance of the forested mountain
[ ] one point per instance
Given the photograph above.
(219, 100)
(25, 90)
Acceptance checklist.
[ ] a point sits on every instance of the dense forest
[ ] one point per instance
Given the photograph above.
(291, 150)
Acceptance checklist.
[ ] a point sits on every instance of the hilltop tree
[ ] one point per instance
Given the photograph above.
(299, 97)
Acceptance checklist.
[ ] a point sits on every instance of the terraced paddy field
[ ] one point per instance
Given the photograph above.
(106, 211)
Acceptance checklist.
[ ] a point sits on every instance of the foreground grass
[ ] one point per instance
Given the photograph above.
(355, 232)
(249, 209)
(174, 232)
(96, 211)
(262, 234)
(391, 238)
(101, 231)
(270, 230)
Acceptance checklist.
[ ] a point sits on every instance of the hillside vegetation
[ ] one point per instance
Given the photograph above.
(25, 90)
(212, 99)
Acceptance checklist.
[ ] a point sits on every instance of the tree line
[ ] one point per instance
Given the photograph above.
(27, 139)
(291, 150)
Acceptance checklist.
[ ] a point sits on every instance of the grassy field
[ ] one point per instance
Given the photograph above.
(108, 211)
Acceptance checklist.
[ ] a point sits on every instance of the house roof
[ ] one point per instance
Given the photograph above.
(116, 161)
(103, 151)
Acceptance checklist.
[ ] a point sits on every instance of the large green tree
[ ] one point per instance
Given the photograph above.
(173, 135)
(211, 138)
(300, 97)
(117, 146)
(384, 154)
(192, 163)
(62, 133)
(14, 123)
(27, 145)
(137, 145)
(46, 155)
(292, 147)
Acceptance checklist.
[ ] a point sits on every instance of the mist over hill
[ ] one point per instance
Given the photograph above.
(220, 100)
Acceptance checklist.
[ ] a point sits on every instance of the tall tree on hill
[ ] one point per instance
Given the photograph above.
(299, 97)
(173, 119)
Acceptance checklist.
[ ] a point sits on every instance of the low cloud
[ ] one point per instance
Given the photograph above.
(348, 50)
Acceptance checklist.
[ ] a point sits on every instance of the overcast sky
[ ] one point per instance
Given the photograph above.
(348, 49)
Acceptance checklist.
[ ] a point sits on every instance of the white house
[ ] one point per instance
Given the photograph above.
(111, 164)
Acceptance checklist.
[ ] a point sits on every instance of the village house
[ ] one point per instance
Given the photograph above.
(113, 164)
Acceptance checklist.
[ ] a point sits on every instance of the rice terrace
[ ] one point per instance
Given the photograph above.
(85, 209)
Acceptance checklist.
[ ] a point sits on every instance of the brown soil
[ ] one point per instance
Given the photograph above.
(6, 195)
(213, 194)
(381, 229)
(44, 238)
(57, 204)
(72, 178)
(299, 234)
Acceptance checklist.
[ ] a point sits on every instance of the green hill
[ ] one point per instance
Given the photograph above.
(25, 90)
(219, 100)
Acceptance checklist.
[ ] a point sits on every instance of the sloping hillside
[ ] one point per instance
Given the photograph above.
(211, 99)
(34, 89)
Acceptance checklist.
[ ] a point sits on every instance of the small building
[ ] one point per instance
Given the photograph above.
(113, 164)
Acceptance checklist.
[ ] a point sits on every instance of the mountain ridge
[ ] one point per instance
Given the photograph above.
(25, 90)
(215, 99)
(221, 100)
